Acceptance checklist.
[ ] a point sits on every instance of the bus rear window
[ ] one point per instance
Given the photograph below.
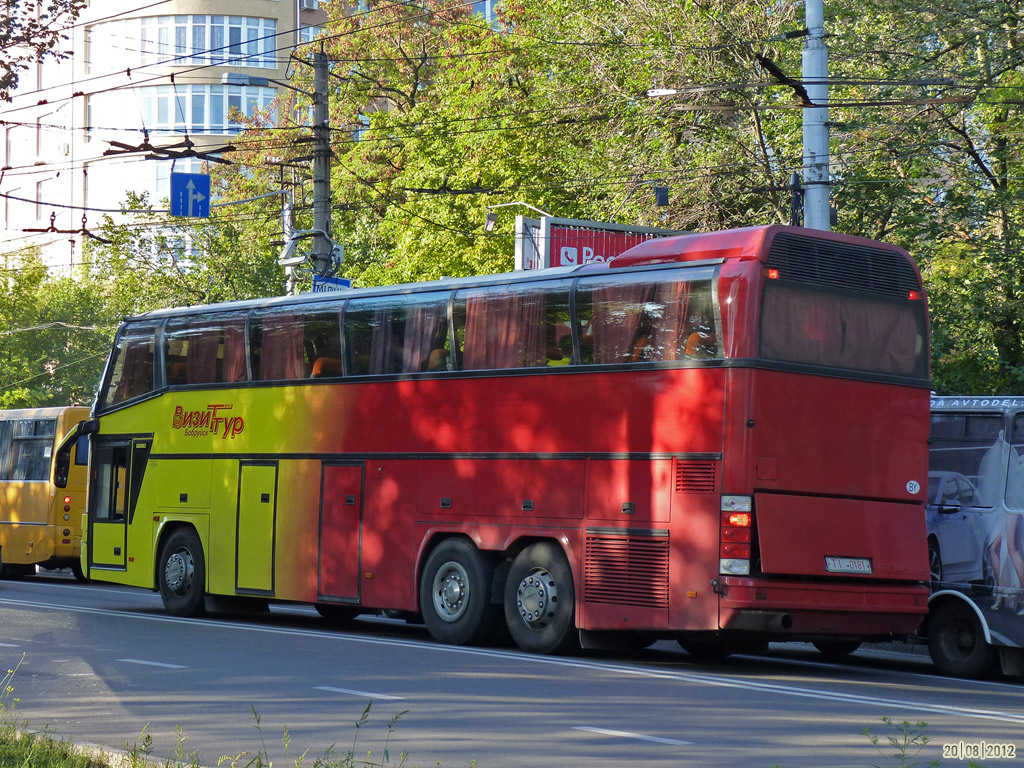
(861, 332)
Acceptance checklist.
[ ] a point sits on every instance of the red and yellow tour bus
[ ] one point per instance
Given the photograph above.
(41, 524)
(718, 438)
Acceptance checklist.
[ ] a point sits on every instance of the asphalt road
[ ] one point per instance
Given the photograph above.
(101, 663)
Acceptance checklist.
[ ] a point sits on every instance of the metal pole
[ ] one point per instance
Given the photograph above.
(815, 76)
(321, 168)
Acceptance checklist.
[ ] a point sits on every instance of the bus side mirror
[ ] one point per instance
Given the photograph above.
(62, 461)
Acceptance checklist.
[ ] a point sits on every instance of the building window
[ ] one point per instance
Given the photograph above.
(190, 107)
(196, 39)
(488, 9)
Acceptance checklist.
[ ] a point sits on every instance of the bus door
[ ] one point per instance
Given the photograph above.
(256, 528)
(341, 508)
(115, 478)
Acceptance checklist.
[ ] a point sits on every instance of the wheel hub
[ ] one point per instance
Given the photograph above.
(536, 598)
(179, 571)
(451, 591)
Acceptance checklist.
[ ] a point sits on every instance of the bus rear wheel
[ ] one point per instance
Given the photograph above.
(455, 593)
(957, 644)
(182, 573)
(540, 600)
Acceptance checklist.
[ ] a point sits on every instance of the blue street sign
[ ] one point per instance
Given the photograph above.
(190, 195)
(323, 284)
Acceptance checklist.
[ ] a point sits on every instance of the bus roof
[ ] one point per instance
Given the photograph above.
(745, 243)
(749, 243)
(48, 412)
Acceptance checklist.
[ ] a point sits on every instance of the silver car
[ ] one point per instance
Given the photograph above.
(959, 531)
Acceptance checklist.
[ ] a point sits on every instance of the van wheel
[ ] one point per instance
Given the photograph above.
(540, 600)
(455, 593)
(181, 572)
(957, 644)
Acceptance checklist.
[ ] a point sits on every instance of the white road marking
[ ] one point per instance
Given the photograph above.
(627, 735)
(8, 645)
(695, 678)
(351, 692)
(152, 663)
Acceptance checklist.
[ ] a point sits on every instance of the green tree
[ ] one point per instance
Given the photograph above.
(153, 260)
(54, 336)
(29, 31)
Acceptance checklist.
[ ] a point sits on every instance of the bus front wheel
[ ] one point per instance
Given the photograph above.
(957, 644)
(540, 600)
(455, 593)
(182, 573)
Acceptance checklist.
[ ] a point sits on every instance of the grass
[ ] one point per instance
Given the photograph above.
(22, 748)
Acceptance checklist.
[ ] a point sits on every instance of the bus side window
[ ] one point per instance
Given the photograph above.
(205, 349)
(646, 318)
(275, 339)
(132, 372)
(6, 433)
(321, 344)
(511, 326)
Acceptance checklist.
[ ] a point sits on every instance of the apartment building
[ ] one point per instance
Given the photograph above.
(144, 73)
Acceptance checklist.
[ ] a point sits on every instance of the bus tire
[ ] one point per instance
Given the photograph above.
(712, 648)
(455, 593)
(181, 572)
(77, 571)
(12, 571)
(540, 600)
(957, 644)
(836, 650)
(335, 613)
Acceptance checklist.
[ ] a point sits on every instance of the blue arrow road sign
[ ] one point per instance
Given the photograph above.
(190, 195)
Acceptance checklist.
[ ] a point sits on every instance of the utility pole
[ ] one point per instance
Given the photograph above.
(322, 256)
(817, 213)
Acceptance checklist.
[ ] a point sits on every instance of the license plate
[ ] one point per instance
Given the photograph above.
(848, 565)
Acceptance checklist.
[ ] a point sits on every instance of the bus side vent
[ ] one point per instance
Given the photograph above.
(626, 570)
(827, 263)
(695, 477)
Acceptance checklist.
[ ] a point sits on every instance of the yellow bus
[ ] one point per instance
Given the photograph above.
(40, 524)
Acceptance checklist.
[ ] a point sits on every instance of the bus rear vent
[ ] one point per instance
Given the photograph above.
(695, 477)
(626, 570)
(828, 263)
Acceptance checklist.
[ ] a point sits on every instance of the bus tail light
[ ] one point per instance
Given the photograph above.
(736, 535)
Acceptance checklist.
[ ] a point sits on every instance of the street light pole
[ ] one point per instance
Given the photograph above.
(817, 212)
(322, 255)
